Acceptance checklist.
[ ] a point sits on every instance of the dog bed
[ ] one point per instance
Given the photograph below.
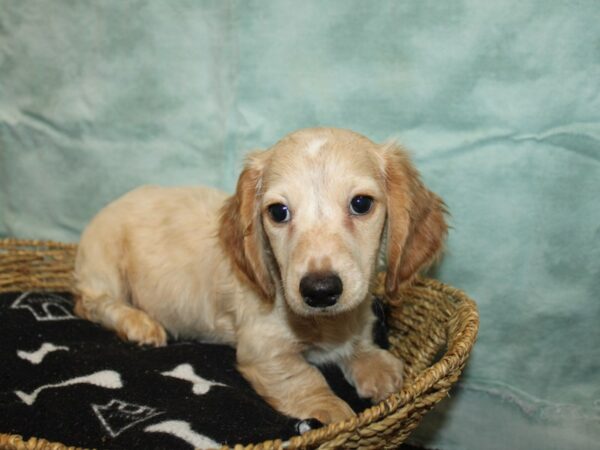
(66, 380)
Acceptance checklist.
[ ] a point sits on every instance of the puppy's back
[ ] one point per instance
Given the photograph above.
(150, 240)
(144, 218)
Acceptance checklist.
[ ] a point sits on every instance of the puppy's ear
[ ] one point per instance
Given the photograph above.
(416, 226)
(241, 232)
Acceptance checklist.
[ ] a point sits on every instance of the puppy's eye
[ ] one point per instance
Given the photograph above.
(279, 212)
(361, 204)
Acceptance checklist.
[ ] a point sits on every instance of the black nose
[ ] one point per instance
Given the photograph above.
(321, 290)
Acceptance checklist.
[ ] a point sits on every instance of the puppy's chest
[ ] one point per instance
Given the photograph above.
(324, 353)
(330, 340)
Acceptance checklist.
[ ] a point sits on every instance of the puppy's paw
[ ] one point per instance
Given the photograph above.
(330, 410)
(377, 374)
(137, 326)
(79, 309)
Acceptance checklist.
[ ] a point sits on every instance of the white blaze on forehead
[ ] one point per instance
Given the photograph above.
(313, 147)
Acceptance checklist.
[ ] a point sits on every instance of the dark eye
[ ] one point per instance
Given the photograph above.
(361, 204)
(279, 212)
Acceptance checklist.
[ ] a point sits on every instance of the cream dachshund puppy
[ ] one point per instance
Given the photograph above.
(281, 269)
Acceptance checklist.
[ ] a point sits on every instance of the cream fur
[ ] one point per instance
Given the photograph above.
(201, 264)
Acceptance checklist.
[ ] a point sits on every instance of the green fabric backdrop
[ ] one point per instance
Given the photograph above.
(499, 102)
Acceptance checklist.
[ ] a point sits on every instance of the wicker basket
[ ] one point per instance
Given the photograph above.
(432, 328)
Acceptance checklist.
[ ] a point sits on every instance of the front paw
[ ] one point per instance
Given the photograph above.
(137, 326)
(377, 374)
(330, 410)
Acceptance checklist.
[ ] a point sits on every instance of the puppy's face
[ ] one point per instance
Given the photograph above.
(323, 209)
(308, 216)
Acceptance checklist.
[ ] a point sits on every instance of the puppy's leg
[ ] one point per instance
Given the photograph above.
(292, 386)
(102, 298)
(129, 323)
(375, 372)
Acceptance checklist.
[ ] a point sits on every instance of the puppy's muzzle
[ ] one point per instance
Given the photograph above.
(321, 290)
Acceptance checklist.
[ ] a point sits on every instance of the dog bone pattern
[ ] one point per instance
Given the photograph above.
(38, 356)
(108, 379)
(183, 431)
(59, 372)
(200, 386)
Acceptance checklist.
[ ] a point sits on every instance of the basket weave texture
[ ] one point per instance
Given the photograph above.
(432, 328)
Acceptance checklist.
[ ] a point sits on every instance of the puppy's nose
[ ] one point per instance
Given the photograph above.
(321, 290)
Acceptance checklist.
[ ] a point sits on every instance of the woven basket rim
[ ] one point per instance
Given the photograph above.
(460, 340)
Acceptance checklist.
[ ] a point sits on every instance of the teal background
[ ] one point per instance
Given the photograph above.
(498, 101)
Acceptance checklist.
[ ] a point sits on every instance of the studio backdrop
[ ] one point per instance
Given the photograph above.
(498, 102)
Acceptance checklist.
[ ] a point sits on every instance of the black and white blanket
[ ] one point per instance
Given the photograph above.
(71, 381)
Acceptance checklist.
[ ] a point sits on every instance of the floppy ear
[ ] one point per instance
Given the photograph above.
(241, 232)
(416, 226)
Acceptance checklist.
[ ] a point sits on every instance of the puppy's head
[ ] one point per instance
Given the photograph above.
(310, 214)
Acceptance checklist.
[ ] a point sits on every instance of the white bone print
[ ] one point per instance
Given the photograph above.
(38, 355)
(183, 431)
(108, 379)
(200, 386)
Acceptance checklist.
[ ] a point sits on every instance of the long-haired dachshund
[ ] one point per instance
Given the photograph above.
(281, 269)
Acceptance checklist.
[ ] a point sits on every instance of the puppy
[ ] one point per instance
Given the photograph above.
(281, 269)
